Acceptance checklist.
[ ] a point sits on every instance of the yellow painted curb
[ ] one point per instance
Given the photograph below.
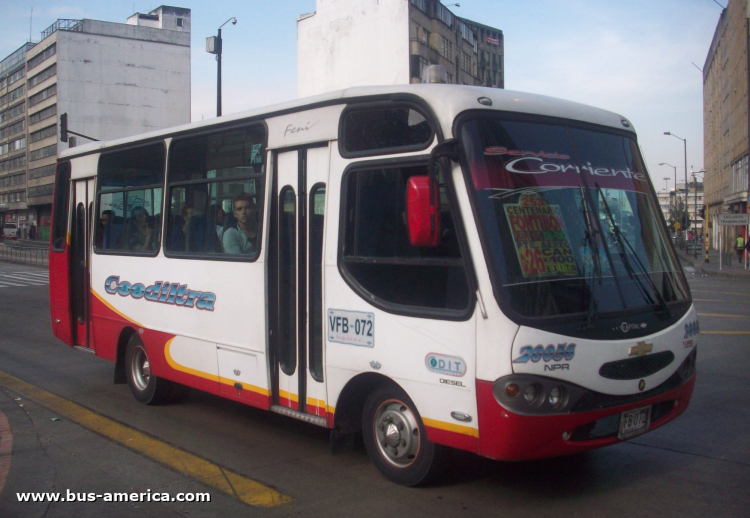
(247, 490)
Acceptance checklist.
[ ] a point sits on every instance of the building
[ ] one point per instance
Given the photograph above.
(490, 54)
(348, 43)
(673, 204)
(112, 79)
(725, 119)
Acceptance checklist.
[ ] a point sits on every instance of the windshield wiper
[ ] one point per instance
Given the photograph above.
(592, 241)
(625, 247)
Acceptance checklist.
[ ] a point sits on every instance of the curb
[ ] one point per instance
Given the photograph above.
(6, 447)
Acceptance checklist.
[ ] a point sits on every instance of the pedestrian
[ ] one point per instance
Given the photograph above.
(740, 247)
(32, 232)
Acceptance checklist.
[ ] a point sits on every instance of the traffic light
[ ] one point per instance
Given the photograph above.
(64, 127)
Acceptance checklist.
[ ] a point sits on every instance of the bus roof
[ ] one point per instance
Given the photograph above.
(446, 101)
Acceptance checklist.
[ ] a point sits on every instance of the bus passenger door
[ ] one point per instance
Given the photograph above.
(83, 192)
(298, 303)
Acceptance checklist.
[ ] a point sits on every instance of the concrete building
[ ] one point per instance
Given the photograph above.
(725, 119)
(112, 79)
(348, 43)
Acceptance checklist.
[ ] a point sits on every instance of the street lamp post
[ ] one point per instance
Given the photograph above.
(684, 142)
(666, 193)
(213, 46)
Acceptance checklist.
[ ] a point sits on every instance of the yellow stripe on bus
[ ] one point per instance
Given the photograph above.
(450, 427)
(233, 484)
(110, 306)
(319, 403)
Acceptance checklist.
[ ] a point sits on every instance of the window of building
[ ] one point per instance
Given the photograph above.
(216, 192)
(44, 94)
(179, 22)
(42, 190)
(40, 172)
(13, 145)
(368, 130)
(130, 185)
(15, 76)
(42, 56)
(376, 254)
(13, 111)
(49, 131)
(446, 48)
(13, 163)
(740, 175)
(14, 179)
(46, 113)
(44, 152)
(12, 129)
(12, 96)
(43, 75)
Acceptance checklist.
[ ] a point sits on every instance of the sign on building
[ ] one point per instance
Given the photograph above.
(732, 219)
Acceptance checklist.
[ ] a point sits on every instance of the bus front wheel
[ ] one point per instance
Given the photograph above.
(147, 388)
(396, 440)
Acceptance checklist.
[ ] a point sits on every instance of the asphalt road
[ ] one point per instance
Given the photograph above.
(74, 430)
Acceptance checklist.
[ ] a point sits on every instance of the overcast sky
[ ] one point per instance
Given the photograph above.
(634, 57)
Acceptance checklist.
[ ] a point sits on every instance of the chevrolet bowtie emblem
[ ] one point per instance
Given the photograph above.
(640, 349)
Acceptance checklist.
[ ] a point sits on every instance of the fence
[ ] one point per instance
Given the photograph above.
(29, 252)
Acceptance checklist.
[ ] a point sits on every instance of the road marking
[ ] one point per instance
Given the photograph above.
(233, 484)
(722, 292)
(26, 277)
(720, 315)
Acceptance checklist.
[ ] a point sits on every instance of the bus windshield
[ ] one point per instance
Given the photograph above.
(569, 219)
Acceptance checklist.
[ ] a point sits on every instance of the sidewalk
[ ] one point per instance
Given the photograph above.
(735, 269)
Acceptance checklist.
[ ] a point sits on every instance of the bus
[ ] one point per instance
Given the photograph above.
(432, 266)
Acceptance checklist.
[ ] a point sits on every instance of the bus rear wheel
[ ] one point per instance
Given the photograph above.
(395, 438)
(147, 388)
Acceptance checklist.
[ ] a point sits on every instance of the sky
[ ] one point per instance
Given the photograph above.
(639, 58)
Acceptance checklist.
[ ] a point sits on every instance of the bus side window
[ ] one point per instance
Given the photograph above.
(378, 256)
(129, 198)
(209, 173)
(62, 198)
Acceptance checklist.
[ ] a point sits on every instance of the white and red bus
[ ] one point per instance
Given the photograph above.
(430, 265)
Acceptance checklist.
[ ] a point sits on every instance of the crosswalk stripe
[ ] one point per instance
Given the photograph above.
(16, 277)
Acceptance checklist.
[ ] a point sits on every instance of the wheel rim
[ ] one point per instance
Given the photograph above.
(140, 368)
(397, 433)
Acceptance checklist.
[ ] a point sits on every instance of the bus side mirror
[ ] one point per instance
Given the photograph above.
(422, 212)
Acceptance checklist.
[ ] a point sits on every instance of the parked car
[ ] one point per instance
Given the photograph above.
(10, 231)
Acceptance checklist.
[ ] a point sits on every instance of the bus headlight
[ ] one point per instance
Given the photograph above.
(556, 396)
(538, 395)
(531, 393)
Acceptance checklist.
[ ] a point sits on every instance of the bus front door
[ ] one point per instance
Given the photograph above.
(296, 300)
(83, 192)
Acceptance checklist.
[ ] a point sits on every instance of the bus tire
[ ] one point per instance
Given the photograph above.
(146, 388)
(396, 440)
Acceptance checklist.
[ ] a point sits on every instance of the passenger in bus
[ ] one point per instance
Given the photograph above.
(179, 228)
(103, 228)
(140, 230)
(216, 214)
(240, 238)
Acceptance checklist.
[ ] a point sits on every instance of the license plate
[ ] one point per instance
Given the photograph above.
(351, 327)
(634, 422)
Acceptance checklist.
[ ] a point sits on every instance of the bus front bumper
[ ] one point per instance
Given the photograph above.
(505, 435)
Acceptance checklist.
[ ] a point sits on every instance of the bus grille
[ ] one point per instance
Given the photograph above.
(634, 368)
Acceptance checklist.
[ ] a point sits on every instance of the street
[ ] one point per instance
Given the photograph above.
(73, 430)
